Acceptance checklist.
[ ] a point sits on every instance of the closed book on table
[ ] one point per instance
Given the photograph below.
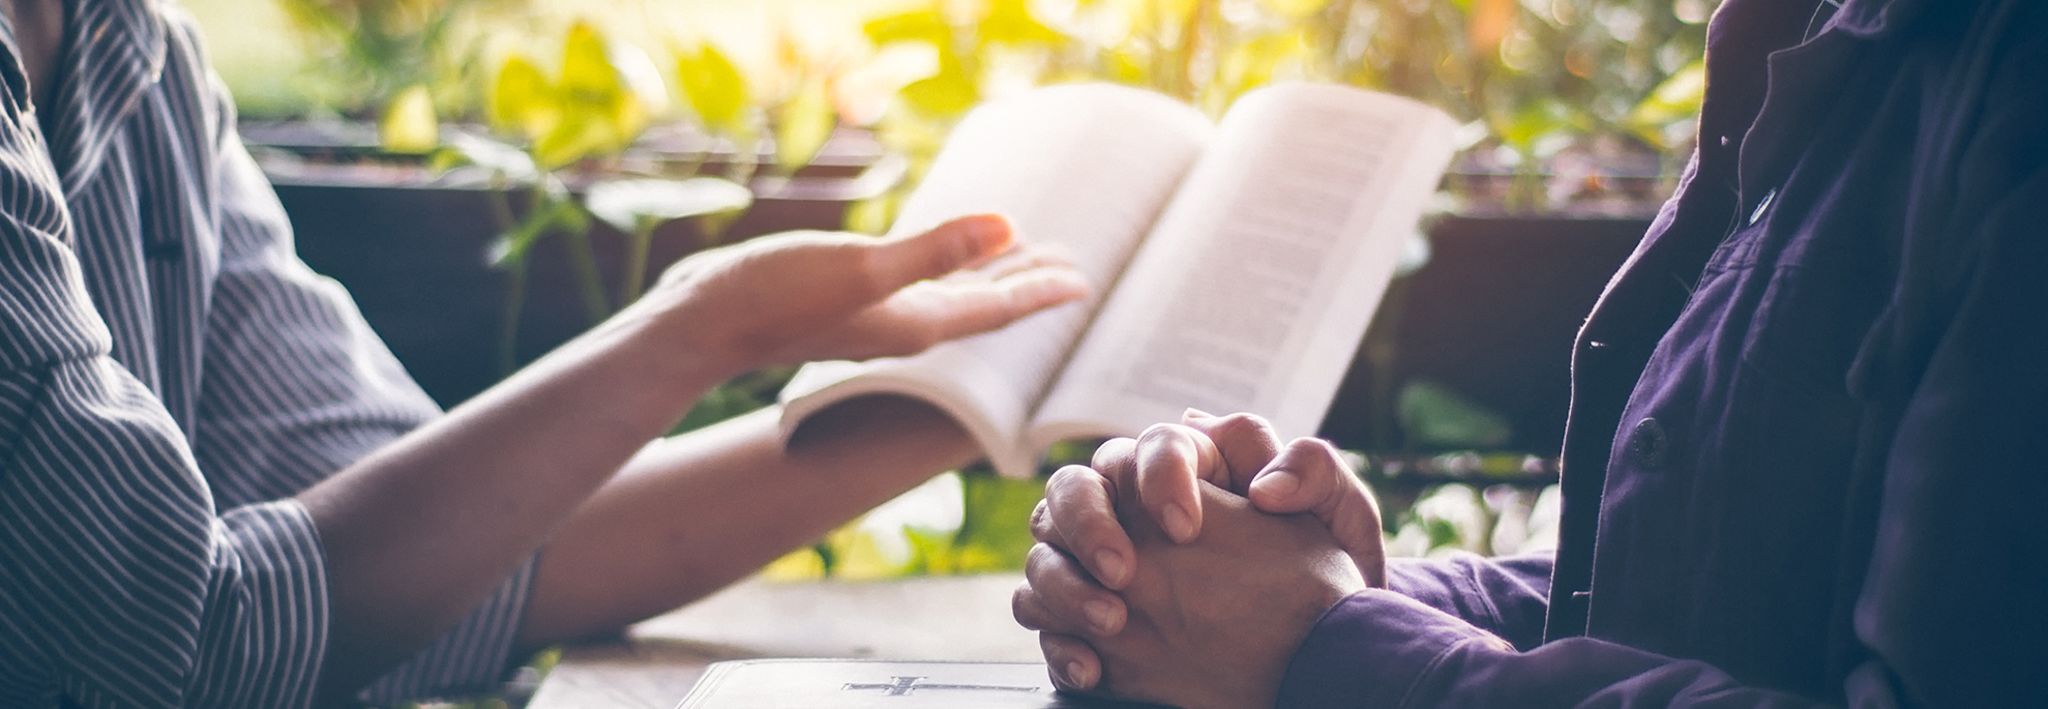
(882, 684)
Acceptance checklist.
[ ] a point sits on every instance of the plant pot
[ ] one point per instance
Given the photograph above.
(412, 248)
(1490, 317)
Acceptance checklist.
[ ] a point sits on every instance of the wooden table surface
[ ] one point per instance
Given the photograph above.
(655, 664)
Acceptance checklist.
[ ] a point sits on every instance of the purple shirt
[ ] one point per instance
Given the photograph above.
(1800, 465)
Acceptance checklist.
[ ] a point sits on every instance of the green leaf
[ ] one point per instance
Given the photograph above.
(444, 158)
(714, 87)
(1670, 107)
(1527, 130)
(579, 134)
(927, 25)
(856, 555)
(409, 124)
(950, 92)
(802, 126)
(1295, 10)
(586, 69)
(1254, 63)
(521, 100)
(997, 525)
(629, 204)
(1012, 22)
(1127, 64)
(606, 95)
(872, 215)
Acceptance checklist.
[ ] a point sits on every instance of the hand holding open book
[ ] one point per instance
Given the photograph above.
(1235, 265)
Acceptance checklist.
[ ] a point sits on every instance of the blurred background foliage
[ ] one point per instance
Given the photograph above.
(1536, 78)
(550, 94)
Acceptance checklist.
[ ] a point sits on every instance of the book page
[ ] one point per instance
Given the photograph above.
(1083, 167)
(1256, 285)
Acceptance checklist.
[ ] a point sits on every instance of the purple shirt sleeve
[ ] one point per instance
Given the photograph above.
(1506, 597)
(1383, 649)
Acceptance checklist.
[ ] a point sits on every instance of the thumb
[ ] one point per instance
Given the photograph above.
(898, 261)
(1310, 476)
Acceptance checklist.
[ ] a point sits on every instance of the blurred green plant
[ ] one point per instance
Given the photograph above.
(601, 97)
(977, 522)
(563, 134)
(561, 127)
(399, 59)
(1534, 77)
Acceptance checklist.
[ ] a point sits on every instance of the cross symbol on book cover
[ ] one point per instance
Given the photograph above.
(901, 686)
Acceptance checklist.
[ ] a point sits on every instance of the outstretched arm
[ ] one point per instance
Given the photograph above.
(418, 531)
(694, 513)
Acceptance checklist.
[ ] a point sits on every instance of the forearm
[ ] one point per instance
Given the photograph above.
(418, 532)
(697, 512)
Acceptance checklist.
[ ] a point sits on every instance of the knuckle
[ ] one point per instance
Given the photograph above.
(1243, 425)
(1058, 651)
(1023, 607)
(1039, 563)
(1092, 531)
(1159, 433)
(1052, 651)
(1113, 455)
(1063, 481)
(868, 264)
(1041, 521)
(1313, 450)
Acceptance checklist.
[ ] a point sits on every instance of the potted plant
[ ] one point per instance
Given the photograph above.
(528, 227)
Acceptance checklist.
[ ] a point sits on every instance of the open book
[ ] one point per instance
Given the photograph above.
(1235, 265)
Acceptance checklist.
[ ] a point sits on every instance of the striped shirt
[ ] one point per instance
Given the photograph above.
(170, 375)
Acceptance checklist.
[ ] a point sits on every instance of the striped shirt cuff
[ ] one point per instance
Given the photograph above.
(265, 625)
(471, 658)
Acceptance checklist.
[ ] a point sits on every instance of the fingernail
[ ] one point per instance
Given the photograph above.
(1101, 614)
(1197, 414)
(1111, 565)
(1078, 676)
(1278, 482)
(1179, 523)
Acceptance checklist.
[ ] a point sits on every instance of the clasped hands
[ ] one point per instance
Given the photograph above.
(1185, 566)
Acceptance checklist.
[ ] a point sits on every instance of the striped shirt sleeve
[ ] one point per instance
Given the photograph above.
(120, 585)
(298, 387)
(127, 576)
